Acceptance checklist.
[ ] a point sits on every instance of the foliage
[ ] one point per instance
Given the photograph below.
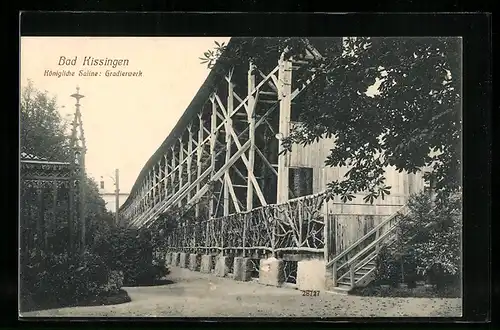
(130, 251)
(42, 130)
(411, 119)
(58, 279)
(433, 234)
(388, 269)
(428, 244)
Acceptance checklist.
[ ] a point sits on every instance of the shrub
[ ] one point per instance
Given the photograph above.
(115, 282)
(50, 279)
(130, 251)
(388, 268)
(428, 245)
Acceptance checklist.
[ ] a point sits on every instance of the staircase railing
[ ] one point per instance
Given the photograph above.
(345, 264)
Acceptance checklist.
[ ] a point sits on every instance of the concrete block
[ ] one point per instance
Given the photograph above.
(222, 266)
(175, 259)
(311, 275)
(194, 261)
(271, 272)
(242, 269)
(183, 260)
(207, 262)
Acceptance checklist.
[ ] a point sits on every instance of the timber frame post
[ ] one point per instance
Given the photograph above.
(251, 132)
(284, 95)
(213, 139)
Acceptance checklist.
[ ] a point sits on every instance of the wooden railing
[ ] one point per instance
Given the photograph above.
(294, 226)
(365, 249)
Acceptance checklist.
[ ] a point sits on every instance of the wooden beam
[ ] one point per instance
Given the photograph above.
(166, 175)
(189, 156)
(179, 194)
(229, 127)
(251, 176)
(264, 159)
(222, 170)
(285, 91)
(172, 174)
(236, 202)
(154, 184)
(180, 171)
(213, 137)
(271, 82)
(199, 152)
(251, 132)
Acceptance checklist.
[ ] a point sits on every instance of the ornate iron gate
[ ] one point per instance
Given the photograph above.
(49, 208)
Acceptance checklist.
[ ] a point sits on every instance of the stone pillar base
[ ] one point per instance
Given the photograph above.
(207, 262)
(311, 275)
(271, 272)
(175, 259)
(194, 261)
(242, 269)
(183, 263)
(222, 266)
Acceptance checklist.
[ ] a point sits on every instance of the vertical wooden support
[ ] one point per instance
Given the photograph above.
(326, 230)
(199, 153)
(351, 275)
(154, 183)
(246, 218)
(334, 274)
(146, 192)
(152, 175)
(228, 126)
(159, 181)
(251, 133)
(189, 167)
(172, 176)
(284, 94)
(213, 136)
(165, 181)
(181, 166)
(213, 133)
(189, 160)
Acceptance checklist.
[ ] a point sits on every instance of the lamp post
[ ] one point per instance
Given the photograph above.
(116, 182)
(79, 148)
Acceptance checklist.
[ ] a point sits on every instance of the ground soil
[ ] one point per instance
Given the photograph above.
(192, 294)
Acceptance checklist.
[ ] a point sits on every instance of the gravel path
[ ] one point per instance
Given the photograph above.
(202, 295)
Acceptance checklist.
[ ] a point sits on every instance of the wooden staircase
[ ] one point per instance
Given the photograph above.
(356, 265)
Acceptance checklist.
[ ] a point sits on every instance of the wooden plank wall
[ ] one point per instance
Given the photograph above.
(350, 221)
(314, 156)
(345, 229)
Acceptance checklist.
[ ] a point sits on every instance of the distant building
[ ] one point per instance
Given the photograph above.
(107, 192)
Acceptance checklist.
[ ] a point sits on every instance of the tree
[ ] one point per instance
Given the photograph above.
(43, 134)
(385, 101)
(42, 130)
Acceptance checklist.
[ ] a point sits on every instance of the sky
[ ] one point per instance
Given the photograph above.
(125, 119)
